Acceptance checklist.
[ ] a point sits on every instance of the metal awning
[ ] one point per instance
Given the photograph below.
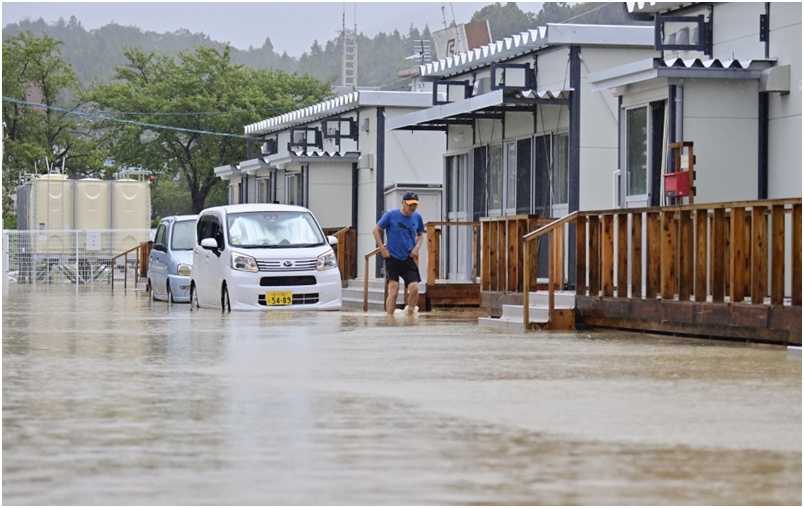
(679, 68)
(227, 171)
(315, 157)
(491, 105)
(251, 166)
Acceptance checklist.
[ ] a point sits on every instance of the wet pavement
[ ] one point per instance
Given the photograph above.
(112, 399)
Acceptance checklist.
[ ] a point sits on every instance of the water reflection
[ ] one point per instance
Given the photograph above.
(111, 398)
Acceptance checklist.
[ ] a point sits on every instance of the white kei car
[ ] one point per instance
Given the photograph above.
(263, 256)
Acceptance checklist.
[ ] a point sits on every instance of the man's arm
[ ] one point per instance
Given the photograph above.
(378, 238)
(414, 253)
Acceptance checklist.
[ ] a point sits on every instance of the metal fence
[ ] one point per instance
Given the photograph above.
(77, 257)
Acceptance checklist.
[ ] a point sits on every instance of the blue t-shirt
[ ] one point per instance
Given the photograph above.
(401, 231)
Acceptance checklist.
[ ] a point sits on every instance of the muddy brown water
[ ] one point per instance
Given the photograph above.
(111, 399)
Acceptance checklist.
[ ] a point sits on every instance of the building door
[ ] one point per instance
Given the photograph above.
(458, 238)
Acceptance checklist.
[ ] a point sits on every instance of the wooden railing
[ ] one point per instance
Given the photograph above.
(502, 260)
(143, 251)
(555, 263)
(702, 253)
(366, 277)
(346, 252)
(434, 238)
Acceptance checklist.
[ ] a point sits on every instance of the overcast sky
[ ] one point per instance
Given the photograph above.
(291, 27)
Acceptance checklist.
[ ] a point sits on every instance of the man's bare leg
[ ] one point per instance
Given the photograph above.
(390, 302)
(412, 297)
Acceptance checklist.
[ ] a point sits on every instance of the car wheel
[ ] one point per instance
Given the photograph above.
(169, 293)
(194, 297)
(226, 305)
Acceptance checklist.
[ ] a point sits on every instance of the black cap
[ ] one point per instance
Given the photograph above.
(410, 198)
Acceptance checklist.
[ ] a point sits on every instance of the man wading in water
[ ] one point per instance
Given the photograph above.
(404, 227)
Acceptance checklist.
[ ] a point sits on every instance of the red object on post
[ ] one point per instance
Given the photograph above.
(677, 184)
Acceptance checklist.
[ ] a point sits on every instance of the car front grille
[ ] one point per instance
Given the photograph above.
(298, 299)
(279, 265)
(293, 280)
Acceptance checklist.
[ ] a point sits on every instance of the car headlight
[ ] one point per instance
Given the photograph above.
(244, 263)
(184, 270)
(327, 261)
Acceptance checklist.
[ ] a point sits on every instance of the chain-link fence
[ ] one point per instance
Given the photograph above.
(71, 256)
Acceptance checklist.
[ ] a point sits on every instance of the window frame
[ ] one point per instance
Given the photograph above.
(626, 178)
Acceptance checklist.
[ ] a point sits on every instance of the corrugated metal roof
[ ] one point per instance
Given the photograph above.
(654, 7)
(554, 34)
(338, 105)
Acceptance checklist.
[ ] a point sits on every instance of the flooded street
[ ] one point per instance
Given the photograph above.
(111, 399)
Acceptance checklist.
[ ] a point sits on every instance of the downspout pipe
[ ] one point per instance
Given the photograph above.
(574, 170)
(380, 176)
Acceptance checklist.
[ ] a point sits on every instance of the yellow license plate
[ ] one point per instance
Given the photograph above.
(279, 298)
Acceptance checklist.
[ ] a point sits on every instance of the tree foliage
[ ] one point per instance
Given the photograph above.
(201, 91)
(34, 71)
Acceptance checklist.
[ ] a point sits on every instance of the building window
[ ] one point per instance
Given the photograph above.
(457, 183)
(560, 168)
(637, 151)
(495, 189)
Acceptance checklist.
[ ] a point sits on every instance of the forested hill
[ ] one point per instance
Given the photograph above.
(94, 54)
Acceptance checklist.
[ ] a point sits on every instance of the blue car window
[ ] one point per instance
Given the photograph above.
(183, 235)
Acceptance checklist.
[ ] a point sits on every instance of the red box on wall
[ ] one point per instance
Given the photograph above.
(677, 184)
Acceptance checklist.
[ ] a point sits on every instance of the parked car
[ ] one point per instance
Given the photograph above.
(171, 259)
(263, 256)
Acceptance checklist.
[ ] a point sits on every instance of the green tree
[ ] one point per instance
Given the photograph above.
(33, 70)
(199, 91)
(505, 19)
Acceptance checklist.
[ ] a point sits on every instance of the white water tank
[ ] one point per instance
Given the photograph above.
(131, 210)
(92, 204)
(50, 207)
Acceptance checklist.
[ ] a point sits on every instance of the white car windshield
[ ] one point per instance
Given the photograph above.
(183, 235)
(273, 230)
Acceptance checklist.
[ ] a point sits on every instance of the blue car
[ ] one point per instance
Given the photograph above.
(170, 265)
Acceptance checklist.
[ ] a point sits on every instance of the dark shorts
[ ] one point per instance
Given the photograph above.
(408, 270)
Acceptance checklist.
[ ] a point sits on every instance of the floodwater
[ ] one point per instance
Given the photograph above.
(112, 399)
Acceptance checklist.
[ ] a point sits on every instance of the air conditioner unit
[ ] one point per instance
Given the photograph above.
(366, 161)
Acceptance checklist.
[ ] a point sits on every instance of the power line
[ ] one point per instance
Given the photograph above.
(100, 116)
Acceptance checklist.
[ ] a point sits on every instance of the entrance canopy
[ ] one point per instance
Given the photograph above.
(679, 68)
(492, 105)
(316, 157)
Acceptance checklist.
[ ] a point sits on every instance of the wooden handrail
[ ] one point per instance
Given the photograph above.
(526, 239)
(366, 276)
(696, 206)
(549, 227)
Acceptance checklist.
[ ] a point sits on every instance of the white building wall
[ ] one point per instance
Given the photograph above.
(366, 201)
(784, 126)
(412, 156)
(723, 127)
(330, 190)
(599, 125)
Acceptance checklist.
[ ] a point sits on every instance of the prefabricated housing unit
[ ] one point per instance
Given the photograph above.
(337, 159)
(724, 79)
(526, 133)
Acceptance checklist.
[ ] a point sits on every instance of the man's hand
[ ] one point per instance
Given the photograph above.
(414, 254)
(384, 252)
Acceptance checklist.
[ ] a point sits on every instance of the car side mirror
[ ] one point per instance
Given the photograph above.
(210, 243)
(332, 240)
(159, 247)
